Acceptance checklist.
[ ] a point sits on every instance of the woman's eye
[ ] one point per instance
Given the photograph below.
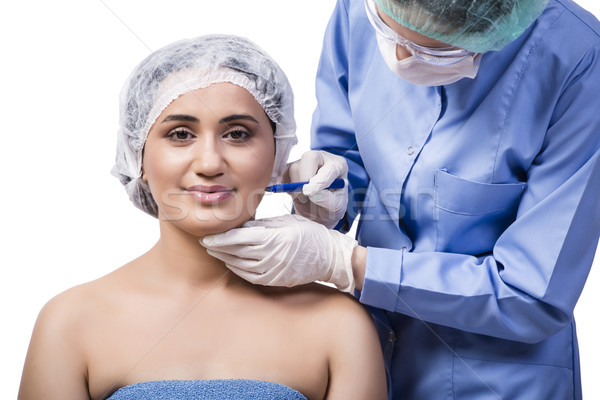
(180, 135)
(237, 135)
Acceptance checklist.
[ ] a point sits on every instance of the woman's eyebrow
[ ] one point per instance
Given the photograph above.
(234, 117)
(181, 117)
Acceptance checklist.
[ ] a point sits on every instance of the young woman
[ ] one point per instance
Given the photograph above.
(206, 124)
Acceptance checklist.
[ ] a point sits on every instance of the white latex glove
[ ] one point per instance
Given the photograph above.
(289, 250)
(320, 168)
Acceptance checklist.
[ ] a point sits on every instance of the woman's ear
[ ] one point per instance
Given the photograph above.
(142, 166)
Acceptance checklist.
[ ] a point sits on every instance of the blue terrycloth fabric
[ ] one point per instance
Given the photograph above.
(235, 389)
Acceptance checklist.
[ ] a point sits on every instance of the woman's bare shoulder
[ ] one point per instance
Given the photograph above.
(345, 331)
(56, 360)
(320, 301)
(340, 327)
(80, 302)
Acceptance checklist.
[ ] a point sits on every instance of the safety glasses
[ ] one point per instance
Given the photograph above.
(430, 55)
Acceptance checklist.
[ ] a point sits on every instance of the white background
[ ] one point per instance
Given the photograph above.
(65, 219)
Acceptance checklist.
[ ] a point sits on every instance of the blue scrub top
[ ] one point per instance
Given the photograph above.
(478, 201)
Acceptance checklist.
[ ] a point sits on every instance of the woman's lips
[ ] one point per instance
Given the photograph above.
(210, 194)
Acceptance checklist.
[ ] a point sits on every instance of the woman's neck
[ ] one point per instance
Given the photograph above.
(179, 257)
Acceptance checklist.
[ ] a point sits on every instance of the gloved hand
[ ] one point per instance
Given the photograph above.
(320, 168)
(288, 250)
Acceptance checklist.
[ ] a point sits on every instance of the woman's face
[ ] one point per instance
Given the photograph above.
(208, 158)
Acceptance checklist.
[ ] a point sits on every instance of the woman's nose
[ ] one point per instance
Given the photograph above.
(208, 158)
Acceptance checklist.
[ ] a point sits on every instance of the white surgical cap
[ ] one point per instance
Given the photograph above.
(192, 64)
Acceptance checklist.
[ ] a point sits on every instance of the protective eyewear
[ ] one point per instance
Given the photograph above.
(430, 55)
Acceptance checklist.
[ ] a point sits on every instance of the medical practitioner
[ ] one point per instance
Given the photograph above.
(471, 132)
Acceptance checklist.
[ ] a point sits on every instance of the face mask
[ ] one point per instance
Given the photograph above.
(417, 71)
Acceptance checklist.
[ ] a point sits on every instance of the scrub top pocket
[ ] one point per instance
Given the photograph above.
(469, 215)
(483, 365)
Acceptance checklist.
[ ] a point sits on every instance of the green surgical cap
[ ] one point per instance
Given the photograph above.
(474, 25)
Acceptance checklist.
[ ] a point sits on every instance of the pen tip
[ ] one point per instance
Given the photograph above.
(267, 189)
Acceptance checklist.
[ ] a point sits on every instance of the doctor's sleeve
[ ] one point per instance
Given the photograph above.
(332, 124)
(526, 288)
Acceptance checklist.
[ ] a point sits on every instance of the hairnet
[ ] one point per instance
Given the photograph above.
(474, 25)
(192, 64)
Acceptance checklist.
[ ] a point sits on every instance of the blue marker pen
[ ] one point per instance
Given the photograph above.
(297, 186)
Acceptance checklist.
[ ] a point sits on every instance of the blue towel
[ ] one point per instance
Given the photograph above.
(219, 389)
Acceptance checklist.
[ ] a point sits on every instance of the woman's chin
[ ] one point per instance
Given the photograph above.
(206, 228)
(202, 222)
